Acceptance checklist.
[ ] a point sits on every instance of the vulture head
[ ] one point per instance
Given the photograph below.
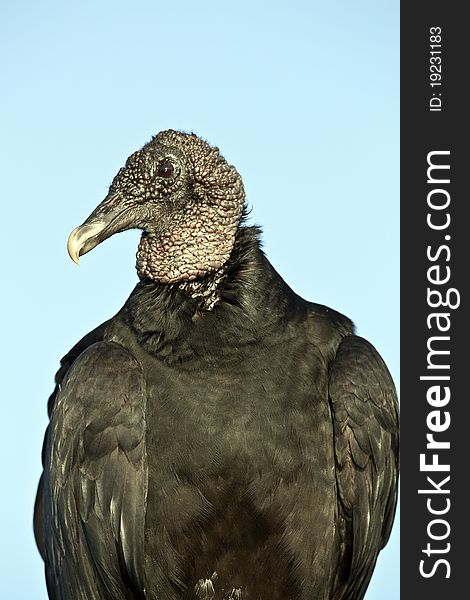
(184, 196)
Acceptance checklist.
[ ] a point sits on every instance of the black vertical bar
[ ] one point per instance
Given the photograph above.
(435, 227)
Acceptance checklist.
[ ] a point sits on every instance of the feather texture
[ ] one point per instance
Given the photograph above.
(220, 437)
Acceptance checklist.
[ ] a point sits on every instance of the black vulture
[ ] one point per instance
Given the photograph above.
(219, 437)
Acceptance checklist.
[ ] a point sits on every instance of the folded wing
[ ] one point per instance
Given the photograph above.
(95, 478)
(365, 419)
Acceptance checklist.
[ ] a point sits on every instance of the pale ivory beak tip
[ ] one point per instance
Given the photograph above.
(74, 246)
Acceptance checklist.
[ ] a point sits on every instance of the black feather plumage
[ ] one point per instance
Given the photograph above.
(220, 436)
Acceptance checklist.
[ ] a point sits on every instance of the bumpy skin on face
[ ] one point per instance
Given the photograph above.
(200, 236)
(220, 437)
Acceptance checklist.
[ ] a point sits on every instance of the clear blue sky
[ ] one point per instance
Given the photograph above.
(301, 96)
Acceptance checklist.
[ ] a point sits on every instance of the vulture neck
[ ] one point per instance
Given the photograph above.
(238, 304)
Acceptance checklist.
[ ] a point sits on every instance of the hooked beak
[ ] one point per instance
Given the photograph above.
(83, 239)
(106, 220)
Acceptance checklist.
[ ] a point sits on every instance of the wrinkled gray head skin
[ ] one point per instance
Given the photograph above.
(184, 196)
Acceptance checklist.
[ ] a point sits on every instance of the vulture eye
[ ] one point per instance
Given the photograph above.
(166, 169)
